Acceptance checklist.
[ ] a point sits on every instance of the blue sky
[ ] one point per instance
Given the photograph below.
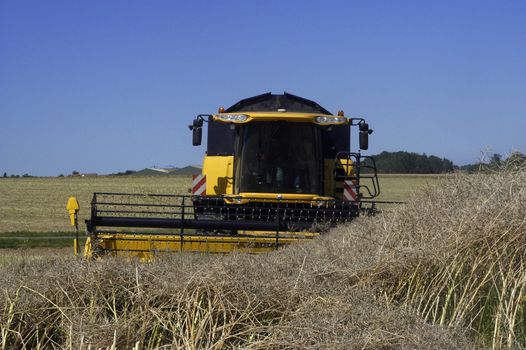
(105, 86)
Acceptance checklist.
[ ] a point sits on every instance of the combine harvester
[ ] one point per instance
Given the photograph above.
(278, 169)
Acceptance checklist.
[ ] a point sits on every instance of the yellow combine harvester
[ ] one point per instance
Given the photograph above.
(278, 169)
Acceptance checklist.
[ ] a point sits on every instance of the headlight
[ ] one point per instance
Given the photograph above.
(327, 119)
(234, 118)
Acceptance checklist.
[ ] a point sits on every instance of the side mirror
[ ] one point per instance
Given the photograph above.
(364, 135)
(197, 135)
(364, 140)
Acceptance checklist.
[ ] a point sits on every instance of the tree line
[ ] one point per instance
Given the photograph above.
(402, 162)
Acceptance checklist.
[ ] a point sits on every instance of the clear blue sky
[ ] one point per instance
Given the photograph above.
(105, 86)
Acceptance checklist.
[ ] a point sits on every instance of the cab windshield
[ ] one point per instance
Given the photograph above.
(278, 158)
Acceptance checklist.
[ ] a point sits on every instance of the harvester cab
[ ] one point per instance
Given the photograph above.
(278, 169)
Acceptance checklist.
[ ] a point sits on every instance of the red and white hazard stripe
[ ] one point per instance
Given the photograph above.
(199, 185)
(350, 192)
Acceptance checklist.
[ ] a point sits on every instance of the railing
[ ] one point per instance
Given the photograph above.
(359, 169)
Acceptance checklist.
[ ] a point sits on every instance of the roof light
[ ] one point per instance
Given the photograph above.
(330, 119)
(221, 110)
(234, 118)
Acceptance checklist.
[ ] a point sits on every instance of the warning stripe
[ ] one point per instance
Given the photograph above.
(199, 185)
(349, 191)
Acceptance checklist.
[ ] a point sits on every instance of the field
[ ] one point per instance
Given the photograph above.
(399, 187)
(39, 204)
(33, 209)
(444, 271)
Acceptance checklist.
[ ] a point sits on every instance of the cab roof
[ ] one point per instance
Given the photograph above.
(274, 103)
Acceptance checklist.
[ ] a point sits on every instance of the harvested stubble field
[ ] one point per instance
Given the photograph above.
(444, 271)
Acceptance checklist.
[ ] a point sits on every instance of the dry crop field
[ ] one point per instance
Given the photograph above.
(444, 271)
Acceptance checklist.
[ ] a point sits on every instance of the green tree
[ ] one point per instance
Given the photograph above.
(411, 163)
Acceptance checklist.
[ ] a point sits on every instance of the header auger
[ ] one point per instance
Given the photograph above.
(278, 169)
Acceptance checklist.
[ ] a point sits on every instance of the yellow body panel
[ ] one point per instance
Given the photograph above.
(146, 247)
(285, 116)
(345, 165)
(335, 188)
(219, 171)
